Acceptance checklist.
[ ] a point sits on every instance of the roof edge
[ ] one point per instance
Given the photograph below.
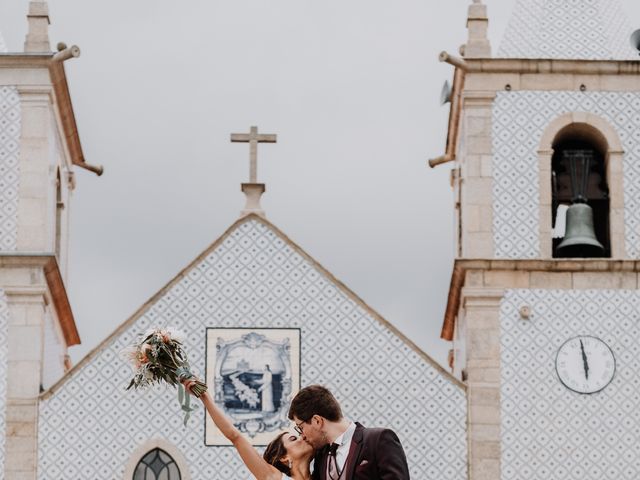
(67, 116)
(181, 274)
(61, 303)
(351, 294)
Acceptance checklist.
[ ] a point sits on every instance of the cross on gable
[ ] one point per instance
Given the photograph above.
(253, 138)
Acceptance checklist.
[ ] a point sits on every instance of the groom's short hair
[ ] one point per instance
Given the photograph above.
(315, 400)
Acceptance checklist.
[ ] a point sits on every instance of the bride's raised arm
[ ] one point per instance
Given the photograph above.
(257, 465)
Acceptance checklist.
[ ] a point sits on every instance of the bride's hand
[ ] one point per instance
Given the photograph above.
(188, 384)
(194, 385)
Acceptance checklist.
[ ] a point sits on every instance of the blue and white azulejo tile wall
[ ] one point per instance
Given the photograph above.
(10, 130)
(518, 121)
(548, 431)
(89, 426)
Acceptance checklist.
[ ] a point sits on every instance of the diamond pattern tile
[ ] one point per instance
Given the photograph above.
(254, 278)
(4, 350)
(9, 166)
(519, 119)
(547, 430)
(568, 29)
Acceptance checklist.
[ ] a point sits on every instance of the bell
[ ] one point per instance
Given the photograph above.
(580, 239)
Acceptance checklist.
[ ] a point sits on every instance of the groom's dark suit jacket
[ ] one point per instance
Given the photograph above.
(375, 453)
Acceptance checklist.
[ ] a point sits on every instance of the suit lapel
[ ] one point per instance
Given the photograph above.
(354, 452)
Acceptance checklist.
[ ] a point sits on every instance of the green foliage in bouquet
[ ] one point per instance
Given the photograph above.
(159, 357)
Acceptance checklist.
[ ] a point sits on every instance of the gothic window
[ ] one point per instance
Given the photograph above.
(580, 195)
(157, 465)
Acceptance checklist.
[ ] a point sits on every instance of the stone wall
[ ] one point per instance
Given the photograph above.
(547, 430)
(511, 376)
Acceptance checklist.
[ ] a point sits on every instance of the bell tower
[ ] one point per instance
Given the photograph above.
(39, 152)
(544, 308)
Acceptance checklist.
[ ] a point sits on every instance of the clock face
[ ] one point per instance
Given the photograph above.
(585, 364)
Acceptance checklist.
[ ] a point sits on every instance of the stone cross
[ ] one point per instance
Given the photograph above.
(253, 139)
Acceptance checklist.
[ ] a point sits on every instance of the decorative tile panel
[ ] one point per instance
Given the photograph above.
(254, 278)
(548, 431)
(4, 353)
(519, 119)
(9, 166)
(568, 29)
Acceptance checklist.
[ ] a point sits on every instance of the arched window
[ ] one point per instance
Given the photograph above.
(157, 465)
(579, 178)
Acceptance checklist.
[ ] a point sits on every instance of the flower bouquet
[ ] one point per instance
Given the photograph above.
(159, 357)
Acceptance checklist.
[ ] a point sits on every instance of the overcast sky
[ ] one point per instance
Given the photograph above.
(351, 87)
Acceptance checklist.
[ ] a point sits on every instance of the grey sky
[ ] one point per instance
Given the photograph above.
(350, 87)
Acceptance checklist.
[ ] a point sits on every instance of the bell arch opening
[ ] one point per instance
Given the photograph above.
(580, 203)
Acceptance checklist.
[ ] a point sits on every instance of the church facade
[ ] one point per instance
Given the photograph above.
(250, 286)
(260, 318)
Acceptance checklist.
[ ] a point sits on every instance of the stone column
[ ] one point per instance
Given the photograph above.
(476, 198)
(26, 297)
(35, 203)
(482, 320)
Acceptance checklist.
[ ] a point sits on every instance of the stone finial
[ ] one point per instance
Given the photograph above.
(37, 39)
(478, 45)
(253, 190)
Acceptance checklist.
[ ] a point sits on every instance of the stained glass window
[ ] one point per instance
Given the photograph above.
(157, 465)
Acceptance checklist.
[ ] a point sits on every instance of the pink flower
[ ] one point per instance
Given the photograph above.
(142, 357)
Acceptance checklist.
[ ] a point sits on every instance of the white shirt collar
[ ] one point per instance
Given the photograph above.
(346, 436)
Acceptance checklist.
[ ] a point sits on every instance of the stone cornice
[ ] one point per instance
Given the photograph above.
(62, 98)
(517, 65)
(572, 265)
(555, 265)
(25, 60)
(55, 284)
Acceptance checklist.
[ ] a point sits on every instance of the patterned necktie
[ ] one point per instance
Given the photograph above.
(334, 471)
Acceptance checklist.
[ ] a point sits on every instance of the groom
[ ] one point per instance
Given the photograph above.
(345, 450)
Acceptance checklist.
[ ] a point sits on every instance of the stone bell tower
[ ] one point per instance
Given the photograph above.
(39, 150)
(544, 307)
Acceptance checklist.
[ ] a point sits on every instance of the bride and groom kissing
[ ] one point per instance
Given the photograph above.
(322, 445)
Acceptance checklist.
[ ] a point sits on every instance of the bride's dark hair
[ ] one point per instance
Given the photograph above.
(274, 452)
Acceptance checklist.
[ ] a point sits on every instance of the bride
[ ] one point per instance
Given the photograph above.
(287, 456)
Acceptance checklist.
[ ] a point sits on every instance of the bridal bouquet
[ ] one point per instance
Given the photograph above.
(159, 357)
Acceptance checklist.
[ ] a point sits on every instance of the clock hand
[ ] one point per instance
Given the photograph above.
(585, 363)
